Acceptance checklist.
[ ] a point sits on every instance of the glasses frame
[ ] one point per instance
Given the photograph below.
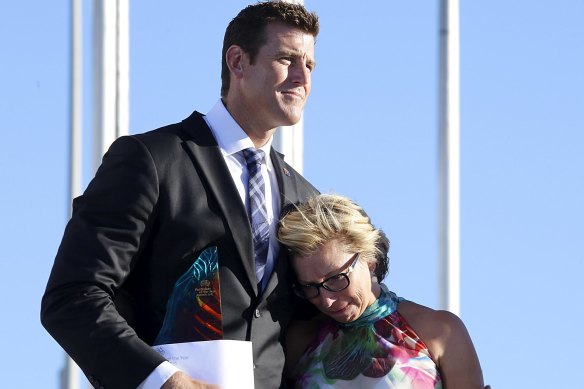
(297, 288)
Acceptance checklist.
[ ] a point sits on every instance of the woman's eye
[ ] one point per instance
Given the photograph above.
(334, 279)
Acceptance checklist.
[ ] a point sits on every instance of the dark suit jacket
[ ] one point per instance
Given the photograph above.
(156, 202)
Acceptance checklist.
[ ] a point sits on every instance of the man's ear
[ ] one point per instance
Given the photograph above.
(235, 58)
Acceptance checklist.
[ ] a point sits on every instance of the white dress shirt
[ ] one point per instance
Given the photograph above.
(232, 140)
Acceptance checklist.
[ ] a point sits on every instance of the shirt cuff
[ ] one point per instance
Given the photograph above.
(158, 376)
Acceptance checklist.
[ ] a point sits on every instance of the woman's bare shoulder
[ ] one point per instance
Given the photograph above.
(435, 327)
(448, 342)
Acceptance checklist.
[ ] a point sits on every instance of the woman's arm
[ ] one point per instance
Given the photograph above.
(456, 356)
(449, 344)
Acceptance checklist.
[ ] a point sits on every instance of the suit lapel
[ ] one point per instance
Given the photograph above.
(212, 168)
(286, 179)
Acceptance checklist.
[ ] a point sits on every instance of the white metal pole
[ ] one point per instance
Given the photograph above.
(289, 140)
(70, 372)
(123, 66)
(450, 156)
(76, 100)
(111, 73)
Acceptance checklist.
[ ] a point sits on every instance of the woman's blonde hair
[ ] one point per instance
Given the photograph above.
(306, 227)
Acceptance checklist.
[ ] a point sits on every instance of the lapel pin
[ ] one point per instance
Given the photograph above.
(286, 172)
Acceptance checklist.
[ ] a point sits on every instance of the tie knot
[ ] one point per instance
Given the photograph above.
(253, 157)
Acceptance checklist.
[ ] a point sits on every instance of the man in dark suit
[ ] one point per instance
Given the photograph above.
(161, 198)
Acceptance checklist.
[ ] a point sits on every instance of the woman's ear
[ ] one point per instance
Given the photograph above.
(372, 267)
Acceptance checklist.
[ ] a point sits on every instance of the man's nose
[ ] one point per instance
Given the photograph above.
(301, 73)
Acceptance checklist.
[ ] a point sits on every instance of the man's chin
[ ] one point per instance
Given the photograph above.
(290, 114)
(292, 118)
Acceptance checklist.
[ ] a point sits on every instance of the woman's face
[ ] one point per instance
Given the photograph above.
(329, 260)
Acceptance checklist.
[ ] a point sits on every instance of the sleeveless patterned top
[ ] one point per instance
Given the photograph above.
(378, 350)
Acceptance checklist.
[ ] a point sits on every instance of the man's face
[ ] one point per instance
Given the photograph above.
(277, 85)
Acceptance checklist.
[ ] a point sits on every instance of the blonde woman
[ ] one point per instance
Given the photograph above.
(365, 335)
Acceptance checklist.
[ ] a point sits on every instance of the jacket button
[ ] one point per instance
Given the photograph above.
(257, 313)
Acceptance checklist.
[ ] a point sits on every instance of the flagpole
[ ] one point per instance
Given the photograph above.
(449, 90)
(111, 74)
(70, 372)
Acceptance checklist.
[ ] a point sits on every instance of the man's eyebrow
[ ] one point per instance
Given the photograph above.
(289, 52)
(296, 54)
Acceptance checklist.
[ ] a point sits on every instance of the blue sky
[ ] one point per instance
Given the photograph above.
(370, 134)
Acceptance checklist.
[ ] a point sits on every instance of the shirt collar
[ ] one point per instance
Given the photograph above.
(229, 135)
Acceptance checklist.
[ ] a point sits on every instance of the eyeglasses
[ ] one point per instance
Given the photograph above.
(334, 283)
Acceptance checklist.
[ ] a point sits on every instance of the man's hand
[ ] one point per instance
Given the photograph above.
(180, 380)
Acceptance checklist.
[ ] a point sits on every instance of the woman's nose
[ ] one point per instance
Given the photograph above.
(326, 298)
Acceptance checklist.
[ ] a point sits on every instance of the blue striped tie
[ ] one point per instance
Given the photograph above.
(258, 214)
